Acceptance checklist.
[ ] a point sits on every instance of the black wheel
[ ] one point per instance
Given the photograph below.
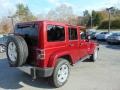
(17, 51)
(94, 56)
(61, 73)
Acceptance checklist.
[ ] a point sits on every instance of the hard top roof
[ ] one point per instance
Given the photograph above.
(47, 21)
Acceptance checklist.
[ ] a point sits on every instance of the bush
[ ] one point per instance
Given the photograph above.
(115, 24)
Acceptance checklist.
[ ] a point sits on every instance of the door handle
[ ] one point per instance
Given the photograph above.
(71, 45)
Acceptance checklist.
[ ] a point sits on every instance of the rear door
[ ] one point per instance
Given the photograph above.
(84, 45)
(73, 43)
(29, 31)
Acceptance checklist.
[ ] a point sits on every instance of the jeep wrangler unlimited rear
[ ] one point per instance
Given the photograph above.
(48, 49)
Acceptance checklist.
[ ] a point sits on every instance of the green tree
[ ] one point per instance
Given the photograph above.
(86, 18)
(96, 18)
(23, 13)
(104, 15)
(86, 13)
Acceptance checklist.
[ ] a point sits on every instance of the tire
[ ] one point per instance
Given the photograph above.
(17, 51)
(58, 80)
(94, 56)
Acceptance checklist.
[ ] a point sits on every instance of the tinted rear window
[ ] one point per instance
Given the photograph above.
(30, 29)
(29, 32)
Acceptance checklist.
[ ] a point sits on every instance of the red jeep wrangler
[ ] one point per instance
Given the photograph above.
(48, 49)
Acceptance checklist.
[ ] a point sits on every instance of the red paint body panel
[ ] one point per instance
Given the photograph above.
(75, 49)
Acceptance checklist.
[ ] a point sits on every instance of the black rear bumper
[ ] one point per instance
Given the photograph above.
(40, 72)
(36, 71)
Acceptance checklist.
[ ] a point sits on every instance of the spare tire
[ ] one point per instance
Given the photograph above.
(17, 51)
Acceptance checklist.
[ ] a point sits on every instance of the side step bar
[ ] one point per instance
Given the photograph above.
(82, 59)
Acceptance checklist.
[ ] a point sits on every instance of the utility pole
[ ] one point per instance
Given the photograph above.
(91, 22)
(110, 10)
(12, 21)
(109, 21)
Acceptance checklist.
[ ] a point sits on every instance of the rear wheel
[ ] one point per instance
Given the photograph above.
(61, 73)
(17, 51)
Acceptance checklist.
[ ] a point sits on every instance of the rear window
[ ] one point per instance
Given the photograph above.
(28, 29)
(29, 32)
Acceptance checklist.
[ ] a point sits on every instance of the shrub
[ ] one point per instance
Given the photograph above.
(115, 24)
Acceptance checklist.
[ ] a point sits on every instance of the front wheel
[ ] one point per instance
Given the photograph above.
(94, 56)
(61, 73)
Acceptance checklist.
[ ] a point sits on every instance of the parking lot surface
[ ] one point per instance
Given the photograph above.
(104, 74)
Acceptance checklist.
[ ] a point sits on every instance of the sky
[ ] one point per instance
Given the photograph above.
(8, 7)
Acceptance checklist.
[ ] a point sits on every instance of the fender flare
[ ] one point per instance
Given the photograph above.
(53, 59)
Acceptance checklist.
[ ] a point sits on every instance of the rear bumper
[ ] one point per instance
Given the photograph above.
(36, 71)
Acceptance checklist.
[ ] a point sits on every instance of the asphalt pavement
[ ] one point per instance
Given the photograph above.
(104, 74)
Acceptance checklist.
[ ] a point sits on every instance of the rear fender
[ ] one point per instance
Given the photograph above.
(53, 59)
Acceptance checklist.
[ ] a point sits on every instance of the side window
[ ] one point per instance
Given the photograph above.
(73, 34)
(102, 33)
(83, 35)
(55, 33)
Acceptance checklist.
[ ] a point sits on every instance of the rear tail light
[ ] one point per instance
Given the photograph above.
(40, 54)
